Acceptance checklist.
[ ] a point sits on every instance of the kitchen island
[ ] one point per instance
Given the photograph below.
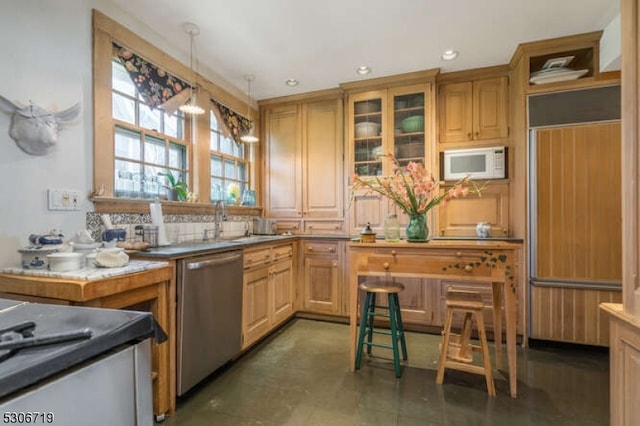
(139, 286)
(459, 261)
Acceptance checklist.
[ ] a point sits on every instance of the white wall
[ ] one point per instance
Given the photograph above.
(45, 57)
(611, 45)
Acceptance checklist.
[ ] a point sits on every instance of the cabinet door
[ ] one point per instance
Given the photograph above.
(255, 306)
(417, 301)
(282, 294)
(323, 159)
(490, 108)
(367, 208)
(283, 162)
(321, 289)
(409, 122)
(459, 217)
(367, 128)
(455, 112)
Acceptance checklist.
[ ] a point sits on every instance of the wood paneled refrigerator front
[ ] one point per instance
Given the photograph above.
(577, 234)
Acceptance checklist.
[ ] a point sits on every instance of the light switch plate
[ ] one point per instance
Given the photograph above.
(63, 199)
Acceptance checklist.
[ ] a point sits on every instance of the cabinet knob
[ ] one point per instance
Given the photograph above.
(338, 226)
(477, 134)
(334, 264)
(295, 226)
(469, 135)
(310, 226)
(331, 250)
(393, 252)
(459, 253)
(468, 268)
(310, 248)
(385, 265)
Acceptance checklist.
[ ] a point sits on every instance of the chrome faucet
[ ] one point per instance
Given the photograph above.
(218, 217)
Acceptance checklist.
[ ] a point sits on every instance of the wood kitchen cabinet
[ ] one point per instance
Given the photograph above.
(459, 217)
(385, 116)
(322, 269)
(268, 294)
(303, 156)
(473, 110)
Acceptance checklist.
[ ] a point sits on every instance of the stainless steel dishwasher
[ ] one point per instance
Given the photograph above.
(209, 315)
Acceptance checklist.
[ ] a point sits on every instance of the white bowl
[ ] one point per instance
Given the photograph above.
(65, 261)
(367, 129)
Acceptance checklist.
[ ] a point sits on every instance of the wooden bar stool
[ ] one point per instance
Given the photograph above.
(456, 351)
(392, 312)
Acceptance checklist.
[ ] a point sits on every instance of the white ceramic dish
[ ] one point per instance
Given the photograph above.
(367, 129)
(65, 261)
(554, 76)
(36, 257)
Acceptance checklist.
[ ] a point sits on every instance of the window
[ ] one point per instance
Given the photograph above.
(134, 141)
(229, 165)
(147, 141)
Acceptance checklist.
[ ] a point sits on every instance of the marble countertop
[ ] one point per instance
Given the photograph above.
(89, 273)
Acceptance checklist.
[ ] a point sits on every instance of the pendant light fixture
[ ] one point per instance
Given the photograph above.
(249, 137)
(191, 107)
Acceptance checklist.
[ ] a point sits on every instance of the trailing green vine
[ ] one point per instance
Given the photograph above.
(492, 261)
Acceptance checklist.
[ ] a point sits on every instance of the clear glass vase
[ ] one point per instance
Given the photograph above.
(417, 231)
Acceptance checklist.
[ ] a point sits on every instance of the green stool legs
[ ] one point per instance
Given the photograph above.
(367, 327)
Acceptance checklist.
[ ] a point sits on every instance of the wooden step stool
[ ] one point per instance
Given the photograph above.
(369, 313)
(456, 349)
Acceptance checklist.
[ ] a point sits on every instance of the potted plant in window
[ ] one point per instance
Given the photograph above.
(176, 189)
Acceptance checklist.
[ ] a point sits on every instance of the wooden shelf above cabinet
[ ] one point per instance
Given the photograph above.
(585, 49)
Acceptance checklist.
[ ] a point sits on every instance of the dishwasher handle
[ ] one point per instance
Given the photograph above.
(218, 260)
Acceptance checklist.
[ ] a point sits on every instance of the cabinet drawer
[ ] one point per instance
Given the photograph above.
(282, 252)
(324, 227)
(257, 257)
(443, 254)
(415, 263)
(320, 247)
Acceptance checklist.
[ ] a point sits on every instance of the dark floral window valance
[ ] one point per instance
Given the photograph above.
(235, 125)
(158, 88)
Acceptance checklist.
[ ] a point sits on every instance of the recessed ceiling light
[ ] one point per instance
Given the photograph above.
(363, 70)
(449, 55)
(292, 82)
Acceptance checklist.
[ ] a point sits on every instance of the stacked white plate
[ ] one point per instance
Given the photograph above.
(554, 75)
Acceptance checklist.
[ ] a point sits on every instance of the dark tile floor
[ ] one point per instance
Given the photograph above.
(299, 376)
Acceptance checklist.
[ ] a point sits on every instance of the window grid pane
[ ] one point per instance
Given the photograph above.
(228, 163)
(140, 156)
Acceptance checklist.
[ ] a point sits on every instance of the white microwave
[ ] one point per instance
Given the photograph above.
(477, 163)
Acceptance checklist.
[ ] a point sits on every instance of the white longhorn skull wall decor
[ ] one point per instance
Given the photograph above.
(35, 129)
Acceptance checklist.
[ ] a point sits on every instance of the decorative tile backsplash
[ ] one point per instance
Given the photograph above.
(180, 228)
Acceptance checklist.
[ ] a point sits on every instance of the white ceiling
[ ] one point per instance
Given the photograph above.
(322, 42)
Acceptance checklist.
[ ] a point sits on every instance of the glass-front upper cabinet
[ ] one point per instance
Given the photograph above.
(408, 121)
(391, 121)
(367, 129)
